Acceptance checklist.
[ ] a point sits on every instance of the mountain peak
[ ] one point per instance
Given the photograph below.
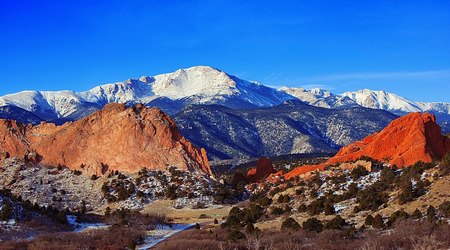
(320, 92)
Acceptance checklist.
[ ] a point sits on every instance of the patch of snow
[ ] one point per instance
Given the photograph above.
(81, 227)
(161, 233)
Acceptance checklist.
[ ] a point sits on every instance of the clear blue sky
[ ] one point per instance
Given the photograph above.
(399, 46)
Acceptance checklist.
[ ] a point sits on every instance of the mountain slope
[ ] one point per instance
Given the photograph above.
(292, 127)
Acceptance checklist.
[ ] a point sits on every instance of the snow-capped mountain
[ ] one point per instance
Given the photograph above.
(400, 105)
(393, 103)
(375, 99)
(171, 92)
(320, 97)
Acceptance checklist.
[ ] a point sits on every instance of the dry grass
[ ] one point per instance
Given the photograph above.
(405, 235)
(187, 215)
(112, 238)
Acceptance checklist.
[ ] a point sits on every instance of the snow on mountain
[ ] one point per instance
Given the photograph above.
(174, 91)
(384, 100)
(171, 92)
(375, 99)
(319, 97)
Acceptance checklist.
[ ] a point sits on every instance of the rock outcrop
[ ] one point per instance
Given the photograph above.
(405, 141)
(115, 138)
(263, 169)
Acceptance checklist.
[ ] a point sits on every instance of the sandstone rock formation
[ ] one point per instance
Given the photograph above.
(405, 141)
(263, 169)
(115, 138)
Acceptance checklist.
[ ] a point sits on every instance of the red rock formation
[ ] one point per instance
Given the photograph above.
(115, 138)
(263, 169)
(405, 141)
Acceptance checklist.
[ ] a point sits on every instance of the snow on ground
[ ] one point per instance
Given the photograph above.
(161, 233)
(80, 227)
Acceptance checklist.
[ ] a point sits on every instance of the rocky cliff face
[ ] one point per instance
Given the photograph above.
(263, 169)
(115, 138)
(405, 141)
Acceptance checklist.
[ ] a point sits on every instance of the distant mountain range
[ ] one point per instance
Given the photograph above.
(171, 92)
(231, 117)
(289, 128)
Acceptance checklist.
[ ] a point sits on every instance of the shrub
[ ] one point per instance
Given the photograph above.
(302, 208)
(277, 211)
(283, 198)
(337, 223)
(444, 209)
(431, 214)
(316, 207)
(406, 193)
(352, 191)
(369, 220)
(235, 235)
(445, 164)
(313, 224)
(232, 221)
(329, 209)
(397, 215)
(371, 198)
(378, 222)
(290, 224)
(416, 214)
(358, 172)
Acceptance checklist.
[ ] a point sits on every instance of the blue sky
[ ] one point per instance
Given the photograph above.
(398, 46)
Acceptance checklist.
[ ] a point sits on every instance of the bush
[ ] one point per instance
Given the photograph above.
(329, 209)
(371, 198)
(406, 193)
(316, 207)
(417, 214)
(235, 235)
(396, 216)
(313, 224)
(277, 211)
(431, 214)
(444, 209)
(378, 222)
(337, 223)
(369, 220)
(358, 172)
(290, 224)
(445, 164)
(283, 198)
(302, 208)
